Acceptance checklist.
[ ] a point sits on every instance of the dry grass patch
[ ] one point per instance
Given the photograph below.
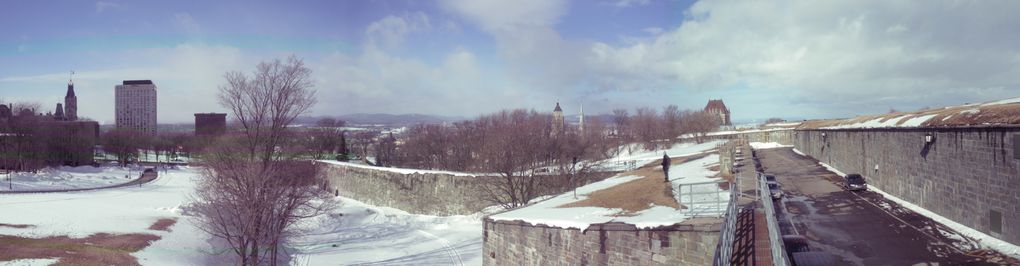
(19, 226)
(639, 194)
(163, 224)
(97, 249)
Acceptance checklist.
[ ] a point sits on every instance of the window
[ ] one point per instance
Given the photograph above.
(995, 221)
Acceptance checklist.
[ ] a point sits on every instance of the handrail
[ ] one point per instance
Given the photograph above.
(775, 242)
(724, 249)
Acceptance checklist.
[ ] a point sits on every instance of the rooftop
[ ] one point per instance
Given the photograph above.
(1003, 112)
(138, 82)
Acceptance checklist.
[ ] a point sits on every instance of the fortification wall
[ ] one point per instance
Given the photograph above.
(425, 192)
(969, 175)
(781, 136)
(521, 243)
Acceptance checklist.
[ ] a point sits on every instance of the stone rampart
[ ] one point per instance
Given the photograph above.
(969, 175)
(424, 192)
(522, 243)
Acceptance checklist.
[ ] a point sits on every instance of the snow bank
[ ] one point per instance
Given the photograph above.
(130, 209)
(358, 233)
(799, 152)
(767, 145)
(363, 233)
(66, 177)
(402, 170)
(1006, 101)
(28, 262)
(549, 213)
(634, 155)
(985, 240)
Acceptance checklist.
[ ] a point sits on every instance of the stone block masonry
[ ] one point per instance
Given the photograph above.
(521, 243)
(969, 175)
(426, 192)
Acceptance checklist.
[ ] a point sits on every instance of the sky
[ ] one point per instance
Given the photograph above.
(788, 59)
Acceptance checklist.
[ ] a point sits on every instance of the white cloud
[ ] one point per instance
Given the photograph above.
(861, 56)
(392, 30)
(186, 75)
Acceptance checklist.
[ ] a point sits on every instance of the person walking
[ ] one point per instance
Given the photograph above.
(665, 166)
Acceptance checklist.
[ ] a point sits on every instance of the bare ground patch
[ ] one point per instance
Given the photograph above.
(96, 249)
(19, 226)
(639, 194)
(163, 224)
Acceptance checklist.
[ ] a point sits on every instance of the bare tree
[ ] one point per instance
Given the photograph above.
(252, 195)
(621, 118)
(123, 143)
(700, 123)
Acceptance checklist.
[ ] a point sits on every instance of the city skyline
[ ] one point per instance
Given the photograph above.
(465, 58)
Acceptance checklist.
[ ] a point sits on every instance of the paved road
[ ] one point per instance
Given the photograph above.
(861, 228)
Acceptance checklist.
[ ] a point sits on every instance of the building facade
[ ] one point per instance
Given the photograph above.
(136, 106)
(557, 121)
(70, 103)
(210, 124)
(30, 141)
(718, 108)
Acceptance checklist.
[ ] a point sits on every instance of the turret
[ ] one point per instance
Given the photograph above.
(70, 103)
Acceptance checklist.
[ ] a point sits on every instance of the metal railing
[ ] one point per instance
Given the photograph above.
(724, 249)
(775, 242)
(705, 199)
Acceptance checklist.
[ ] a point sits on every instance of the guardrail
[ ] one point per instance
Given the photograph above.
(775, 242)
(724, 250)
(705, 199)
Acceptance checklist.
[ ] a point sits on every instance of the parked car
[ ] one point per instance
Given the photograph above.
(770, 178)
(774, 189)
(854, 182)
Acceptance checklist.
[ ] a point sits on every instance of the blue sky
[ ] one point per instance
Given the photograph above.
(794, 59)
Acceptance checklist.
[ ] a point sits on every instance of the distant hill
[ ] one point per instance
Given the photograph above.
(383, 119)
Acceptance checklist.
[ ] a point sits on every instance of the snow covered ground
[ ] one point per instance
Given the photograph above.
(767, 145)
(399, 170)
(66, 177)
(634, 155)
(366, 234)
(548, 212)
(363, 233)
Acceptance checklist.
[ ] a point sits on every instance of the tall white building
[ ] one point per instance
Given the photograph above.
(136, 106)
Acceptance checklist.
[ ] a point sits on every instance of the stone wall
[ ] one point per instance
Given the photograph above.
(424, 192)
(521, 243)
(782, 136)
(965, 174)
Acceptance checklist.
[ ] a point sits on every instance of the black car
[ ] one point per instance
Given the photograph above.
(854, 182)
(770, 178)
(774, 189)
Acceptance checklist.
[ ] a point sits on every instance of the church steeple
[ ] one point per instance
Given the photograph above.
(70, 101)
